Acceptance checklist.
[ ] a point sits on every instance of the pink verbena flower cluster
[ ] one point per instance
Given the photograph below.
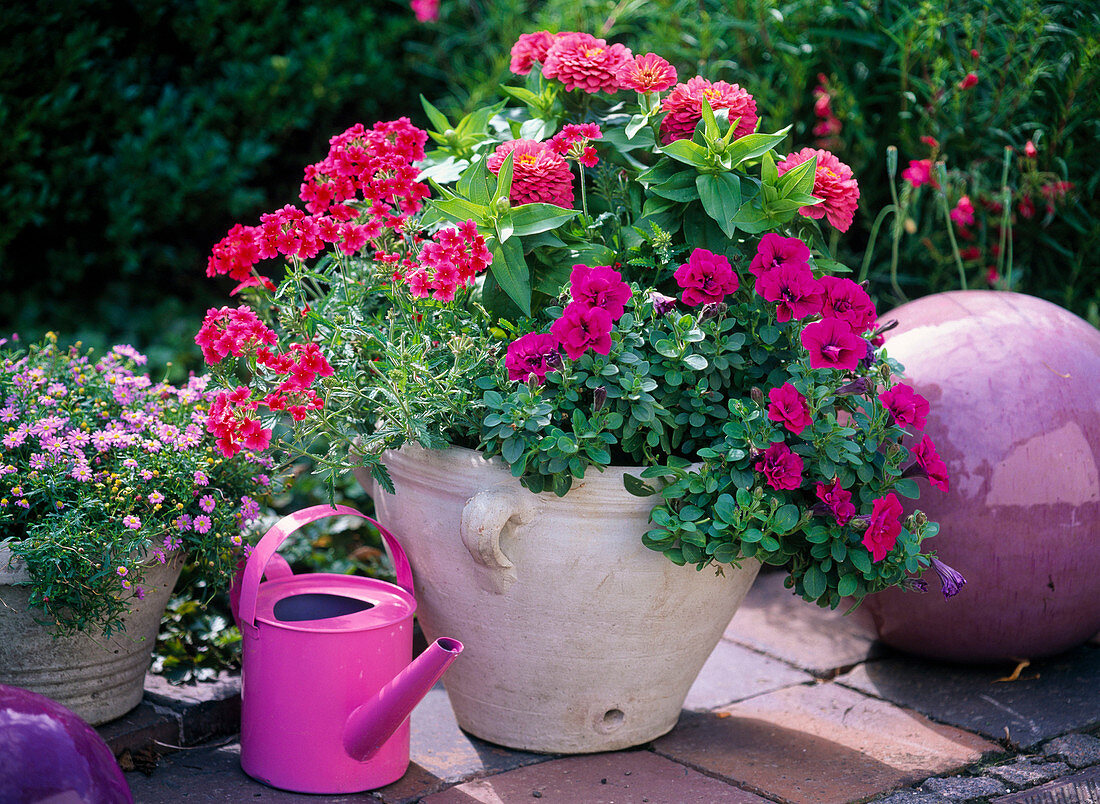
(233, 418)
(572, 142)
(449, 261)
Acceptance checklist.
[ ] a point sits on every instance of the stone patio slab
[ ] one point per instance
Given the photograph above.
(1080, 788)
(1052, 696)
(774, 621)
(820, 744)
(613, 778)
(733, 673)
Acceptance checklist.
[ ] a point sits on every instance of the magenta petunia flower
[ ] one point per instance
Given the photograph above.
(781, 467)
(705, 278)
(534, 353)
(684, 108)
(539, 175)
(648, 73)
(836, 500)
(884, 526)
(909, 408)
(794, 290)
(600, 286)
(789, 407)
(582, 328)
(528, 49)
(931, 464)
(775, 251)
(844, 299)
(833, 182)
(581, 61)
(832, 344)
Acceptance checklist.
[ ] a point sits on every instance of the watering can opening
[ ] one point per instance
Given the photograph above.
(317, 606)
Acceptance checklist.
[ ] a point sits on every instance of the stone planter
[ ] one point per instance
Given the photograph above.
(1014, 386)
(98, 678)
(578, 638)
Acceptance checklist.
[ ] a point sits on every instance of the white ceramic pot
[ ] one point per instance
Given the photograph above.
(578, 638)
(96, 677)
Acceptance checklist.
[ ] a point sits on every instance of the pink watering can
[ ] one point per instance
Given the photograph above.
(326, 684)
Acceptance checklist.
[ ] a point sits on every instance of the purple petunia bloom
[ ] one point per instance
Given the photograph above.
(952, 580)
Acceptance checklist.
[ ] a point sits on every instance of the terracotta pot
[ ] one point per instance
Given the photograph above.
(1014, 386)
(97, 678)
(578, 638)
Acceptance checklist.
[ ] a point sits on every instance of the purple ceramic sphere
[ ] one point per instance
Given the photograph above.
(48, 754)
(1014, 387)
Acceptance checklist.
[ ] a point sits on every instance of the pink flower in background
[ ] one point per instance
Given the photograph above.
(844, 299)
(794, 290)
(919, 173)
(582, 328)
(705, 278)
(832, 344)
(1030, 151)
(789, 407)
(581, 61)
(969, 81)
(425, 10)
(836, 500)
(781, 467)
(534, 353)
(528, 49)
(539, 175)
(684, 108)
(833, 181)
(775, 251)
(648, 73)
(885, 525)
(909, 408)
(963, 213)
(600, 286)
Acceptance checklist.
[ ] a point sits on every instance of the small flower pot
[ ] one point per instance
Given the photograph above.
(1014, 383)
(577, 637)
(98, 678)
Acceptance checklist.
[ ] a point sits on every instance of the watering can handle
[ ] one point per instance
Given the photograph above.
(266, 547)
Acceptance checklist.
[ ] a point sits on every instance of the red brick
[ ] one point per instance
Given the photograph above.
(820, 744)
(625, 777)
(774, 621)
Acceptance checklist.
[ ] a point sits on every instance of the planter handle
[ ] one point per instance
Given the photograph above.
(484, 518)
(248, 580)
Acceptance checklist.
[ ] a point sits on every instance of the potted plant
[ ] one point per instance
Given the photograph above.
(108, 482)
(596, 342)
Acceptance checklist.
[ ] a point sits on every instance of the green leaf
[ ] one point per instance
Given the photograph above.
(814, 582)
(524, 96)
(435, 117)
(680, 187)
(751, 219)
(720, 194)
(504, 179)
(667, 348)
(637, 486)
(785, 519)
(907, 487)
(529, 219)
(509, 268)
(726, 553)
(725, 508)
(768, 172)
(861, 559)
(753, 145)
(695, 362)
(687, 152)
(710, 125)
(798, 180)
(474, 183)
(839, 551)
(459, 210)
(636, 124)
(847, 585)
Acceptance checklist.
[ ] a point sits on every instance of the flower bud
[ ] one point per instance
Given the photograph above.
(662, 304)
(892, 161)
(599, 398)
(757, 395)
(501, 205)
(859, 523)
(856, 387)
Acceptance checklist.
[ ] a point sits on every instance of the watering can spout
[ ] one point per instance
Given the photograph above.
(372, 723)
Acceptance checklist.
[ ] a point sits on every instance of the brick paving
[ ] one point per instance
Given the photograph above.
(797, 705)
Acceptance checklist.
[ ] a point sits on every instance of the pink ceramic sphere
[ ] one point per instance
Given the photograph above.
(1014, 387)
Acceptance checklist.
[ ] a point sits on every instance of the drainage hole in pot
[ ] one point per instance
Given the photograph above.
(317, 606)
(612, 719)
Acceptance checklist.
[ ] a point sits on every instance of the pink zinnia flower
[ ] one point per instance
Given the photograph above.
(836, 500)
(789, 407)
(528, 49)
(684, 108)
(582, 328)
(844, 299)
(648, 73)
(581, 61)
(885, 525)
(781, 467)
(832, 344)
(539, 176)
(775, 251)
(705, 278)
(425, 10)
(963, 213)
(600, 286)
(833, 181)
(794, 290)
(534, 353)
(909, 408)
